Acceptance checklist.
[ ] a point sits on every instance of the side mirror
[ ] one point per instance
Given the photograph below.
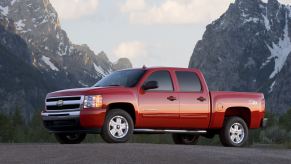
(150, 85)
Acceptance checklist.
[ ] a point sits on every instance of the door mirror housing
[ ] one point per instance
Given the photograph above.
(150, 85)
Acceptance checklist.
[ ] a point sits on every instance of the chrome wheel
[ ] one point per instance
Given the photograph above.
(236, 133)
(118, 127)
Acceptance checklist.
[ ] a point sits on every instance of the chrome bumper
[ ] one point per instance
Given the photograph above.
(60, 115)
(61, 121)
(65, 122)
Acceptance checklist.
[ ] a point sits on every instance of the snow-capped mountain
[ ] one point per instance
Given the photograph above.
(37, 22)
(47, 49)
(248, 49)
(22, 85)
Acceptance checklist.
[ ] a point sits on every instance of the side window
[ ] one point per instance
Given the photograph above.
(188, 81)
(164, 80)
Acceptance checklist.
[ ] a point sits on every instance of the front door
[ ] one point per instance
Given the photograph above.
(159, 106)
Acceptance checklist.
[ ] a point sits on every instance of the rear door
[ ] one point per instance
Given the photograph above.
(194, 101)
(160, 106)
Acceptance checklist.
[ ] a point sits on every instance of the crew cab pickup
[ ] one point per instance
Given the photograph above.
(153, 100)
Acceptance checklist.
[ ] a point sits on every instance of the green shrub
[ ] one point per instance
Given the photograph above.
(274, 134)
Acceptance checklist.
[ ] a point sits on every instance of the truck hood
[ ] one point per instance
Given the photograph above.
(85, 91)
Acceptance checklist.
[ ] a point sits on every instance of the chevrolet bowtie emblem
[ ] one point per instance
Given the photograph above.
(60, 103)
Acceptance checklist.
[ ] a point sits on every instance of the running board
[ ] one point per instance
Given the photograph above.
(169, 131)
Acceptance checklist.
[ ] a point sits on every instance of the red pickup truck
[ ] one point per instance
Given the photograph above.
(153, 100)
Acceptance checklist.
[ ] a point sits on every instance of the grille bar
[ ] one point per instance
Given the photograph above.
(63, 107)
(60, 104)
(54, 103)
(63, 98)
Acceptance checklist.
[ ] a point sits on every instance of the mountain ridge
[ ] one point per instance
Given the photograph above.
(42, 46)
(248, 49)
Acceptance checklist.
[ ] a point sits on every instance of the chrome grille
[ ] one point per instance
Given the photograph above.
(67, 103)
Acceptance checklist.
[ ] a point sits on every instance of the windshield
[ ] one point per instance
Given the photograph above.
(125, 78)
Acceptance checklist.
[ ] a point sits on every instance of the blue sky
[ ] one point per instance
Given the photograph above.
(148, 32)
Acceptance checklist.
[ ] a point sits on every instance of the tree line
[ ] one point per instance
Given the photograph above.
(15, 129)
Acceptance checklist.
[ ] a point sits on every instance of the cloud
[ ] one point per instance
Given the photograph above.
(74, 9)
(174, 11)
(284, 1)
(133, 5)
(130, 50)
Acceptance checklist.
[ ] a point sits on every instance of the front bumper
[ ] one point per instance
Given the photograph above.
(65, 122)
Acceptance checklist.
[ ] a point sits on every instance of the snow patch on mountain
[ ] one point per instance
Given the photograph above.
(4, 10)
(62, 49)
(267, 22)
(272, 86)
(251, 19)
(280, 51)
(47, 61)
(13, 1)
(265, 17)
(19, 25)
(99, 70)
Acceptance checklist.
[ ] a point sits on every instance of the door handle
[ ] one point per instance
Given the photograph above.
(171, 98)
(201, 99)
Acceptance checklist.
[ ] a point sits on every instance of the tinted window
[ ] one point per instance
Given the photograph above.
(164, 80)
(125, 78)
(188, 82)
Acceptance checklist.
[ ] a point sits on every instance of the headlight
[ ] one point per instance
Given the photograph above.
(94, 101)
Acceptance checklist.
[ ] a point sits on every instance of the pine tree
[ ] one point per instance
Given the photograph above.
(285, 120)
(6, 130)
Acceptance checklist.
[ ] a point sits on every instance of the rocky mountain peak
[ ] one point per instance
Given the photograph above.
(31, 15)
(248, 49)
(247, 4)
(102, 55)
(273, 3)
(30, 32)
(122, 63)
(37, 22)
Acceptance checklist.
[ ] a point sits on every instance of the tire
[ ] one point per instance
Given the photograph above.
(70, 138)
(234, 132)
(118, 127)
(185, 139)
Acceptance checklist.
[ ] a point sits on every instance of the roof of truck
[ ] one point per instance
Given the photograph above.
(169, 68)
(158, 68)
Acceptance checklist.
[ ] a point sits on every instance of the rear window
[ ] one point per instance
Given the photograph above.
(188, 81)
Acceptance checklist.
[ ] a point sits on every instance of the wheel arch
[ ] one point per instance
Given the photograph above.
(238, 111)
(128, 107)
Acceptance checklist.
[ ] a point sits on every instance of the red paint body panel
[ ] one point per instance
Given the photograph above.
(92, 118)
(153, 110)
(221, 101)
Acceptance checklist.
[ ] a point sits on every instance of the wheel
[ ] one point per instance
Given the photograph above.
(185, 139)
(234, 132)
(118, 126)
(70, 138)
